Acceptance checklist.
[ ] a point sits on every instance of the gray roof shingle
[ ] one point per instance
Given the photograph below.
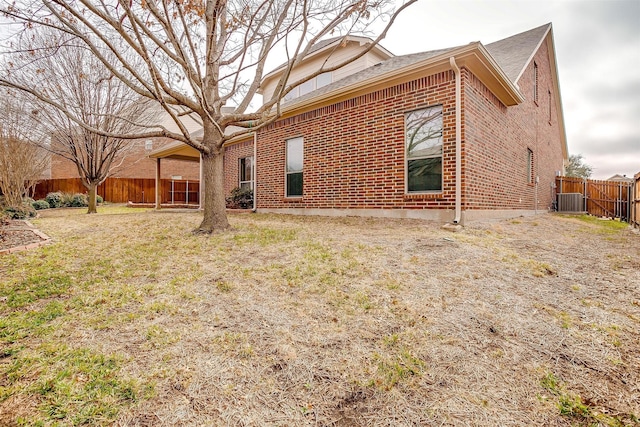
(513, 53)
(384, 67)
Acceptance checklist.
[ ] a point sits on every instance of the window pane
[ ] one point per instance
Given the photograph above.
(323, 80)
(294, 184)
(424, 132)
(306, 87)
(246, 165)
(424, 174)
(294, 155)
(292, 94)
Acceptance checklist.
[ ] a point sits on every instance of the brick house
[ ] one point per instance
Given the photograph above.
(456, 134)
(134, 161)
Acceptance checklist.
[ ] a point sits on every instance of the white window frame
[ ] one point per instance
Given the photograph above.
(286, 167)
(308, 86)
(249, 182)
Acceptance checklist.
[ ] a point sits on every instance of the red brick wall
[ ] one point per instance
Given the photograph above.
(232, 154)
(354, 150)
(497, 138)
(134, 163)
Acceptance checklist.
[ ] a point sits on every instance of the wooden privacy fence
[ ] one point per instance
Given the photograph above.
(123, 190)
(600, 198)
(635, 202)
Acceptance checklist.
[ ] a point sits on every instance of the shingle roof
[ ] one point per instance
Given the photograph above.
(384, 67)
(514, 53)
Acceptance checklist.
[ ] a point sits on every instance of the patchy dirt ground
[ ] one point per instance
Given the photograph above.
(305, 321)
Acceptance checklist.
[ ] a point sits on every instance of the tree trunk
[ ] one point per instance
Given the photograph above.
(92, 187)
(215, 208)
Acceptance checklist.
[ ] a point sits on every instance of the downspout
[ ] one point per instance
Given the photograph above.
(458, 207)
(253, 170)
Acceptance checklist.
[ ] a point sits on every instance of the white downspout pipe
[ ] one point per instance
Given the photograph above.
(254, 170)
(458, 207)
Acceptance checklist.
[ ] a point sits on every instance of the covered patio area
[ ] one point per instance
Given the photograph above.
(180, 193)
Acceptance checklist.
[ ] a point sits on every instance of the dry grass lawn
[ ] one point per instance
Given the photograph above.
(128, 319)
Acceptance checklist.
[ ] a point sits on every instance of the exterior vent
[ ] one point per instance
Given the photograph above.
(570, 202)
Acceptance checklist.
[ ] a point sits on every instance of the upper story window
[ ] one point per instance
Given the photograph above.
(309, 86)
(535, 82)
(423, 142)
(293, 173)
(148, 145)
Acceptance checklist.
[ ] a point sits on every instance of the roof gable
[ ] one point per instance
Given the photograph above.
(514, 53)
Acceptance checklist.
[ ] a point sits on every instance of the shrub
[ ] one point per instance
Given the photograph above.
(55, 200)
(40, 204)
(20, 212)
(240, 198)
(4, 220)
(67, 199)
(99, 199)
(79, 200)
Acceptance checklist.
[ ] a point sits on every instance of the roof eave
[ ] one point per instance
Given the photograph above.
(558, 98)
(479, 61)
(175, 150)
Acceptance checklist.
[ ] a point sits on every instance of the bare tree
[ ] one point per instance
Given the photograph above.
(92, 107)
(22, 162)
(200, 55)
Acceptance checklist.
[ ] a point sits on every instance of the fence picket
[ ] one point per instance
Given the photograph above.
(601, 198)
(123, 190)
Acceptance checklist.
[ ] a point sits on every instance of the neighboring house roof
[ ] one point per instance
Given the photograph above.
(618, 177)
(514, 53)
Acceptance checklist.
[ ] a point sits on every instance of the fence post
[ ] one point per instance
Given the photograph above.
(584, 191)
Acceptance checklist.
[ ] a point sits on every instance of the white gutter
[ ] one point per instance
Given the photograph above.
(253, 170)
(458, 208)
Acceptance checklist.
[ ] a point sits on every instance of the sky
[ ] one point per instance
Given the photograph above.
(597, 46)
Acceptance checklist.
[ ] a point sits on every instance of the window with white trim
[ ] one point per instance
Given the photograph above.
(294, 166)
(423, 148)
(245, 168)
(309, 86)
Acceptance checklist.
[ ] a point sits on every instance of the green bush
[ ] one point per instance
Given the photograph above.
(55, 200)
(79, 200)
(20, 212)
(240, 198)
(40, 204)
(99, 199)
